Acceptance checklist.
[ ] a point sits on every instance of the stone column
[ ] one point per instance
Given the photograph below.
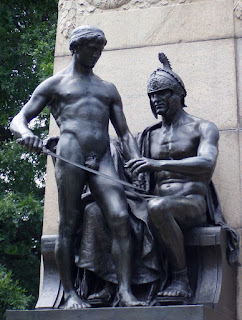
(203, 40)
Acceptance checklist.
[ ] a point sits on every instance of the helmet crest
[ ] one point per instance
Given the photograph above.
(164, 60)
(165, 78)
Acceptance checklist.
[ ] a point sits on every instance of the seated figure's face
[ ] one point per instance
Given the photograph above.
(160, 100)
(88, 53)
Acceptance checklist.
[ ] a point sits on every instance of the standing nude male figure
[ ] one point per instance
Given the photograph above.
(182, 155)
(82, 105)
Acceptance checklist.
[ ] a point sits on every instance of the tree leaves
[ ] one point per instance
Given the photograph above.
(27, 35)
(20, 228)
(27, 40)
(12, 296)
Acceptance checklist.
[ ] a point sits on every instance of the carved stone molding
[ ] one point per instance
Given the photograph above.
(238, 9)
(67, 20)
(108, 4)
(70, 9)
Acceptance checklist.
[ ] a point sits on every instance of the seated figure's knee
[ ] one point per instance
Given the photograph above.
(159, 209)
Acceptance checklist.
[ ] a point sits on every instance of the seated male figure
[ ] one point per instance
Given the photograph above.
(182, 157)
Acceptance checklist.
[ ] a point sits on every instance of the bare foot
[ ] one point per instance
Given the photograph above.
(74, 302)
(127, 299)
(177, 288)
(104, 295)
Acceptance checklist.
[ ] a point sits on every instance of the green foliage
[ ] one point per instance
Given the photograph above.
(21, 220)
(27, 31)
(12, 296)
(27, 37)
(20, 170)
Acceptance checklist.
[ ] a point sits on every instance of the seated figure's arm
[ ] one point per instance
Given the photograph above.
(204, 162)
(19, 125)
(118, 120)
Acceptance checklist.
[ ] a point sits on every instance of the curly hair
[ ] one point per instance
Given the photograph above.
(83, 34)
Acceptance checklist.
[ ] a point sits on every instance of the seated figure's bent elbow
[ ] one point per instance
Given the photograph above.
(208, 165)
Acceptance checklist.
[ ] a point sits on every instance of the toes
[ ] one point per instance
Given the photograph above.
(176, 290)
(93, 296)
(179, 293)
(133, 304)
(76, 305)
(139, 303)
(87, 305)
(161, 293)
(173, 293)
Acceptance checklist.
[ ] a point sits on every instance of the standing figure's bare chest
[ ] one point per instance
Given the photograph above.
(78, 98)
(76, 89)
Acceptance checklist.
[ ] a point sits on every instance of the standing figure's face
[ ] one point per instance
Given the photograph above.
(88, 54)
(160, 100)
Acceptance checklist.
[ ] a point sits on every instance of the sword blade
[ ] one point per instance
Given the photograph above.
(50, 153)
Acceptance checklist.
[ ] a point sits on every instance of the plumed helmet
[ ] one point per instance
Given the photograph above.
(165, 78)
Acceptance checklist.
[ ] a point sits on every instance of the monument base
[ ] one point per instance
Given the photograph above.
(188, 312)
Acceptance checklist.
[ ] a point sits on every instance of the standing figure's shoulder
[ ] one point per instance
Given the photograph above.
(50, 83)
(110, 85)
(112, 90)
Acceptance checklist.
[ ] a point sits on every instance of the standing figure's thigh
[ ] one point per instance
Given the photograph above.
(108, 194)
(70, 181)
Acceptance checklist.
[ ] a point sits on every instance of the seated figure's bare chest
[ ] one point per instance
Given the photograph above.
(174, 142)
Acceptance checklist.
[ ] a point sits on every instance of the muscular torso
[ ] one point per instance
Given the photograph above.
(176, 143)
(81, 108)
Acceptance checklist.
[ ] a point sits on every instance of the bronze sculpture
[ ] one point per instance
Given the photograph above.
(179, 157)
(182, 157)
(82, 105)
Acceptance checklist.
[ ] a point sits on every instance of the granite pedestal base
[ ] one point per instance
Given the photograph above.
(198, 312)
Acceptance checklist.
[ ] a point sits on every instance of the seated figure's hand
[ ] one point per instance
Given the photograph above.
(137, 166)
(92, 162)
(140, 181)
(31, 142)
(50, 143)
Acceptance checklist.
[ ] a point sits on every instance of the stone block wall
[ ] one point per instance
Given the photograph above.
(203, 41)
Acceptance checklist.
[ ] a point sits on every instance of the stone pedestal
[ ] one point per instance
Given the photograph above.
(212, 280)
(203, 40)
(198, 312)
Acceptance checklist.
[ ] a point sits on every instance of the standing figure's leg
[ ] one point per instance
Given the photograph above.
(110, 197)
(168, 215)
(70, 181)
